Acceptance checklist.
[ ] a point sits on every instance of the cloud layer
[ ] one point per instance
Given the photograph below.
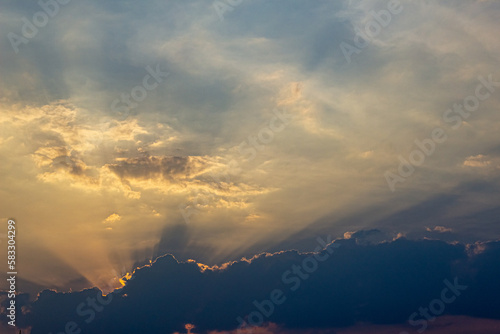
(262, 131)
(351, 282)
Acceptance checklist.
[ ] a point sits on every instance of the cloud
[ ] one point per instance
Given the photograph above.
(380, 283)
(441, 325)
(112, 218)
(440, 229)
(73, 158)
(168, 168)
(477, 161)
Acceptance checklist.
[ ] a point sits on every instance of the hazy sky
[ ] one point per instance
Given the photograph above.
(230, 130)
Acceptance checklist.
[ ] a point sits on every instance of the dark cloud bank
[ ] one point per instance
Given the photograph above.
(381, 283)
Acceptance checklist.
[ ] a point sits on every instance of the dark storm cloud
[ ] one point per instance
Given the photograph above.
(378, 283)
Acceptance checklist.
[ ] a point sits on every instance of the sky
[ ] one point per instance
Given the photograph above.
(205, 133)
